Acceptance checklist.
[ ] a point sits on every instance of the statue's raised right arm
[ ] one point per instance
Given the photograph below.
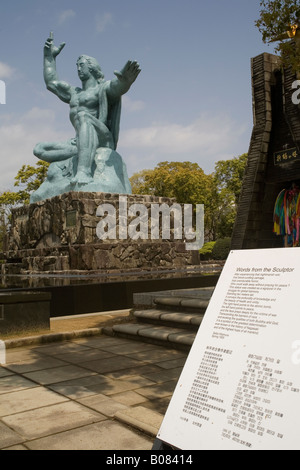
(59, 88)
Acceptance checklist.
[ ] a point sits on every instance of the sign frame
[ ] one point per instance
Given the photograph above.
(240, 386)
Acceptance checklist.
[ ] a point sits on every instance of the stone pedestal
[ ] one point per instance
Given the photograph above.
(59, 235)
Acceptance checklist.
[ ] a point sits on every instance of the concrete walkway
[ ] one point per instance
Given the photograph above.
(85, 392)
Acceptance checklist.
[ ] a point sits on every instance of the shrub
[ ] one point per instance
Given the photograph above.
(221, 249)
(206, 251)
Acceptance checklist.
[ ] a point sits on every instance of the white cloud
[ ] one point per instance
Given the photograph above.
(65, 15)
(206, 134)
(103, 21)
(18, 137)
(131, 105)
(204, 141)
(6, 71)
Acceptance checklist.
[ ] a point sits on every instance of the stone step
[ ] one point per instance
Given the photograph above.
(182, 304)
(160, 335)
(169, 318)
(147, 299)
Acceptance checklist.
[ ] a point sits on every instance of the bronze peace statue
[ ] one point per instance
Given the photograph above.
(89, 161)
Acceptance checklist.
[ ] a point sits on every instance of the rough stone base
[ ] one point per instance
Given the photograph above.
(59, 235)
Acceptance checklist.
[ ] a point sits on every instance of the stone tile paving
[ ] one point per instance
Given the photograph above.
(86, 394)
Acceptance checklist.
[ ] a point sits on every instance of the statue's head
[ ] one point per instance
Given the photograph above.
(93, 66)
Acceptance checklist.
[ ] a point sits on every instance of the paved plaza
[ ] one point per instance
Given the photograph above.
(89, 393)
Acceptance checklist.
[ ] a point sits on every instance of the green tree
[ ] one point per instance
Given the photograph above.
(229, 175)
(184, 181)
(28, 179)
(188, 184)
(276, 18)
(221, 215)
(139, 184)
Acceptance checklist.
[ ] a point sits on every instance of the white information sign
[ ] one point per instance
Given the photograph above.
(240, 386)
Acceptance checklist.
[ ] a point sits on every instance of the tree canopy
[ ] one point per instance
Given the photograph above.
(184, 181)
(229, 175)
(187, 182)
(277, 17)
(28, 179)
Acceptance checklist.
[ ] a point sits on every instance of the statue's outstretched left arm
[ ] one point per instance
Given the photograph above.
(124, 80)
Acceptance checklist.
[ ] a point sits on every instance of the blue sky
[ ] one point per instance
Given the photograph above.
(192, 100)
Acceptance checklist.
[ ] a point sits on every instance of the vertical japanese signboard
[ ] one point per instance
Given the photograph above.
(240, 387)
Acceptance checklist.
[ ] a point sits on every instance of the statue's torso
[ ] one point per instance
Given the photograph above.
(84, 100)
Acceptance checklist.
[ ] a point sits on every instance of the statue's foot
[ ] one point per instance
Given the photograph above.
(82, 178)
